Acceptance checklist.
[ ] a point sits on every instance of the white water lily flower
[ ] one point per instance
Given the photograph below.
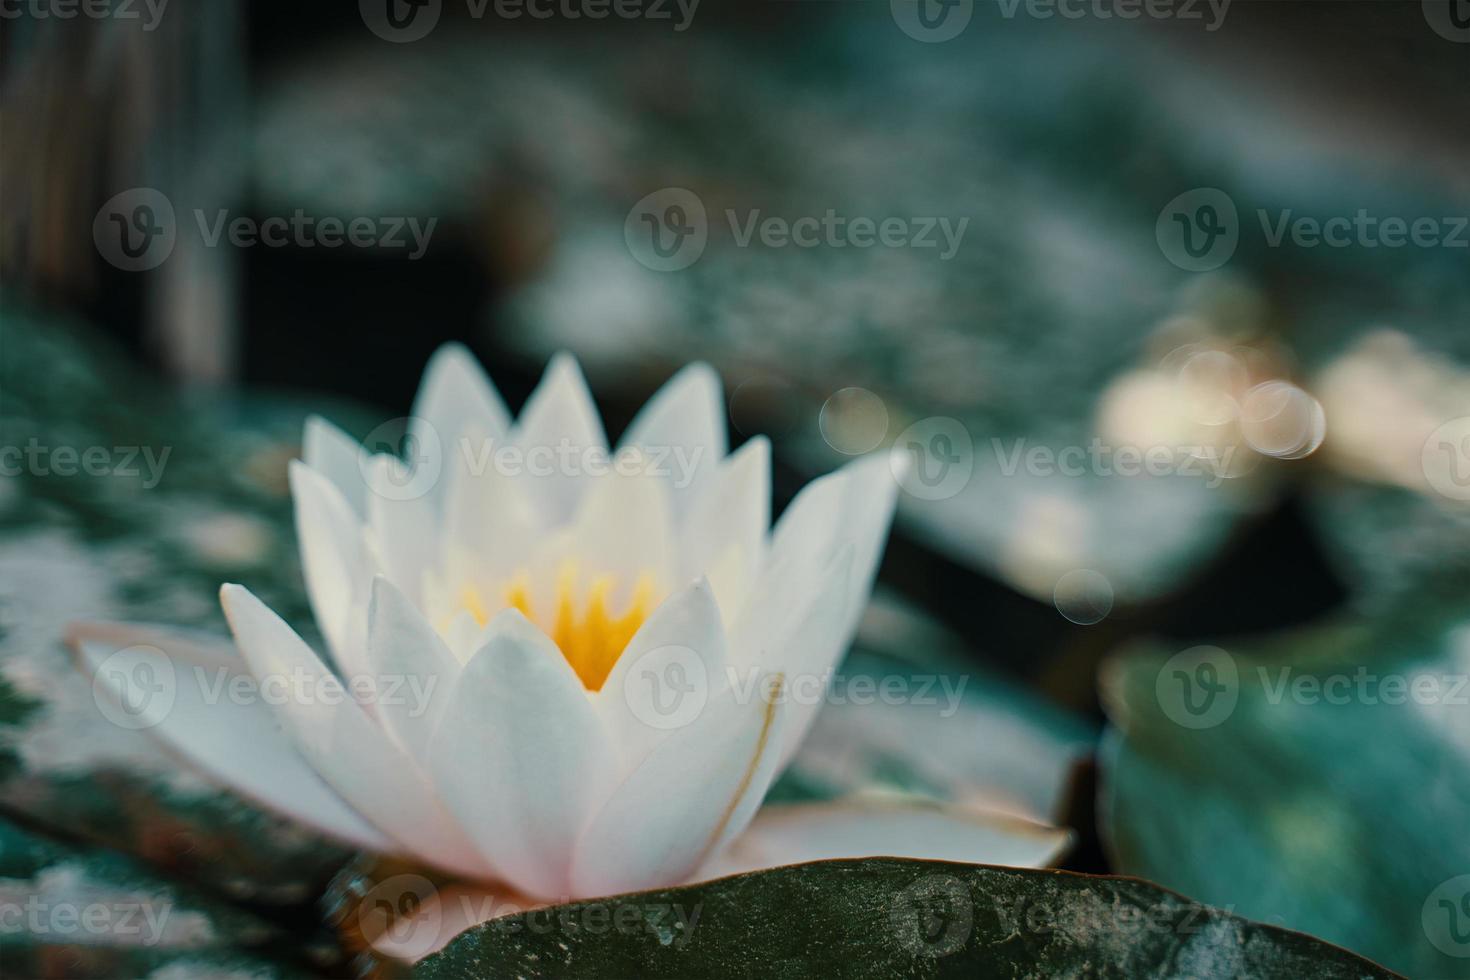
(548, 671)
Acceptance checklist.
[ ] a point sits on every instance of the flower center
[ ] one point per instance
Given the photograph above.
(583, 623)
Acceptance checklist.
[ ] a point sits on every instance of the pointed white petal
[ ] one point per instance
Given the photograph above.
(464, 637)
(413, 669)
(455, 399)
(853, 504)
(673, 665)
(521, 757)
(867, 513)
(341, 742)
(334, 454)
(233, 739)
(335, 561)
(558, 428)
(676, 808)
(683, 426)
(724, 535)
(795, 834)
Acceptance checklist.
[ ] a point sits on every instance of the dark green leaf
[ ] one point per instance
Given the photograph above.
(884, 917)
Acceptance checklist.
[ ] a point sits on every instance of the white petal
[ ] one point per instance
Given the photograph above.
(490, 525)
(556, 432)
(854, 504)
(456, 392)
(455, 398)
(341, 742)
(414, 669)
(867, 513)
(724, 535)
(676, 808)
(334, 454)
(804, 642)
(683, 425)
(403, 529)
(206, 722)
(783, 835)
(335, 561)
(521, 757)
(464, 636)
(678, 653)
(625, 527)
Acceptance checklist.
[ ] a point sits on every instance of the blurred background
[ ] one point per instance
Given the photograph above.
(1045, 242)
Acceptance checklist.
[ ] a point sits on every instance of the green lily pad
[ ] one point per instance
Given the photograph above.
(883, 917)
(1319, 780)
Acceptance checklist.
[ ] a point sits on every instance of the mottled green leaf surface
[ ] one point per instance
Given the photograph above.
(73, 912)
(134, 541)
(1302, 780)
(888, 918)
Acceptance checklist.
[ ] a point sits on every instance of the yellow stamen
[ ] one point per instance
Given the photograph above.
(586, 630)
